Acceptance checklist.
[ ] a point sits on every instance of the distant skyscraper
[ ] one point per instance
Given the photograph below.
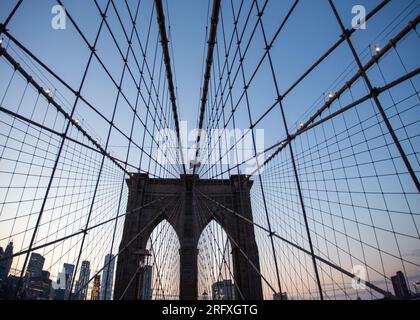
(10, 287)
(107, 277)
(147, 283)
(2, 282)
(280, 296)
(59, 294)
(81, 287)
(223, 290)
(400, 285)
(6, 264)
(68, 271)
(1, 269)
(63, 284)
(96, 287)
(35, 265)
(417, 287)
(204, 296)
(38, 288)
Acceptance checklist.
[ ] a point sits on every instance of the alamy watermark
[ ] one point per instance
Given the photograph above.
(359, 19)
(231, 147)
(359, 281)
(59, 20)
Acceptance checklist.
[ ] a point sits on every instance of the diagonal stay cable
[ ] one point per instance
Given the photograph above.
(220, 252)
(10, 16)
(151, 222)
(175, 207)
(329, 263)
(78, 94)
(375, 98)
(300, 79)
(311, 122)
(59, 108)
(253, 266)
(34, 248)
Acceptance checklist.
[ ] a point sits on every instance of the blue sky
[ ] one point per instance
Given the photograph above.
(311, 31)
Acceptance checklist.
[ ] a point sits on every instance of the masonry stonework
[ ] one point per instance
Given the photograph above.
(189, 219)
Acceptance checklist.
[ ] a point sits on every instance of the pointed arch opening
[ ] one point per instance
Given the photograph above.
(216, 280)
(161, 264)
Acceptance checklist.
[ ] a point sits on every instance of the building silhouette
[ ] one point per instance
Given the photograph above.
(6, 264)
(400, 285)
(280, 296)
(2, 283)
(107, 277)
(204, 296)
(64, 282)
(38, 287)
(37, 283)
(9, 288)
(81, 288)
(147, 283)
(96, 287)
(417, 287)
(35, 265)
(68, 271)
(223, 290)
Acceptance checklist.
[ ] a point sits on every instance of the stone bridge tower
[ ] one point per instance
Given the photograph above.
(231, 193)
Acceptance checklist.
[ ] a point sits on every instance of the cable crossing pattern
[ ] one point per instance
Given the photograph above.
(323, 121)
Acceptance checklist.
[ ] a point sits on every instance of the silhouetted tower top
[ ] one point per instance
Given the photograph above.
(6, 264)
(400, 285)
(35, 265)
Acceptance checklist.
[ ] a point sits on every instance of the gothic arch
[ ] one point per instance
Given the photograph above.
(220, 268)
(164, 262)
(186, 192)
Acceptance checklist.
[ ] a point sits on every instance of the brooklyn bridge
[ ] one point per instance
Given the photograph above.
(209, 150)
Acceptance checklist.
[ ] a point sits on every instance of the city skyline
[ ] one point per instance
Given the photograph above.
(55, 289)
(220, 290)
